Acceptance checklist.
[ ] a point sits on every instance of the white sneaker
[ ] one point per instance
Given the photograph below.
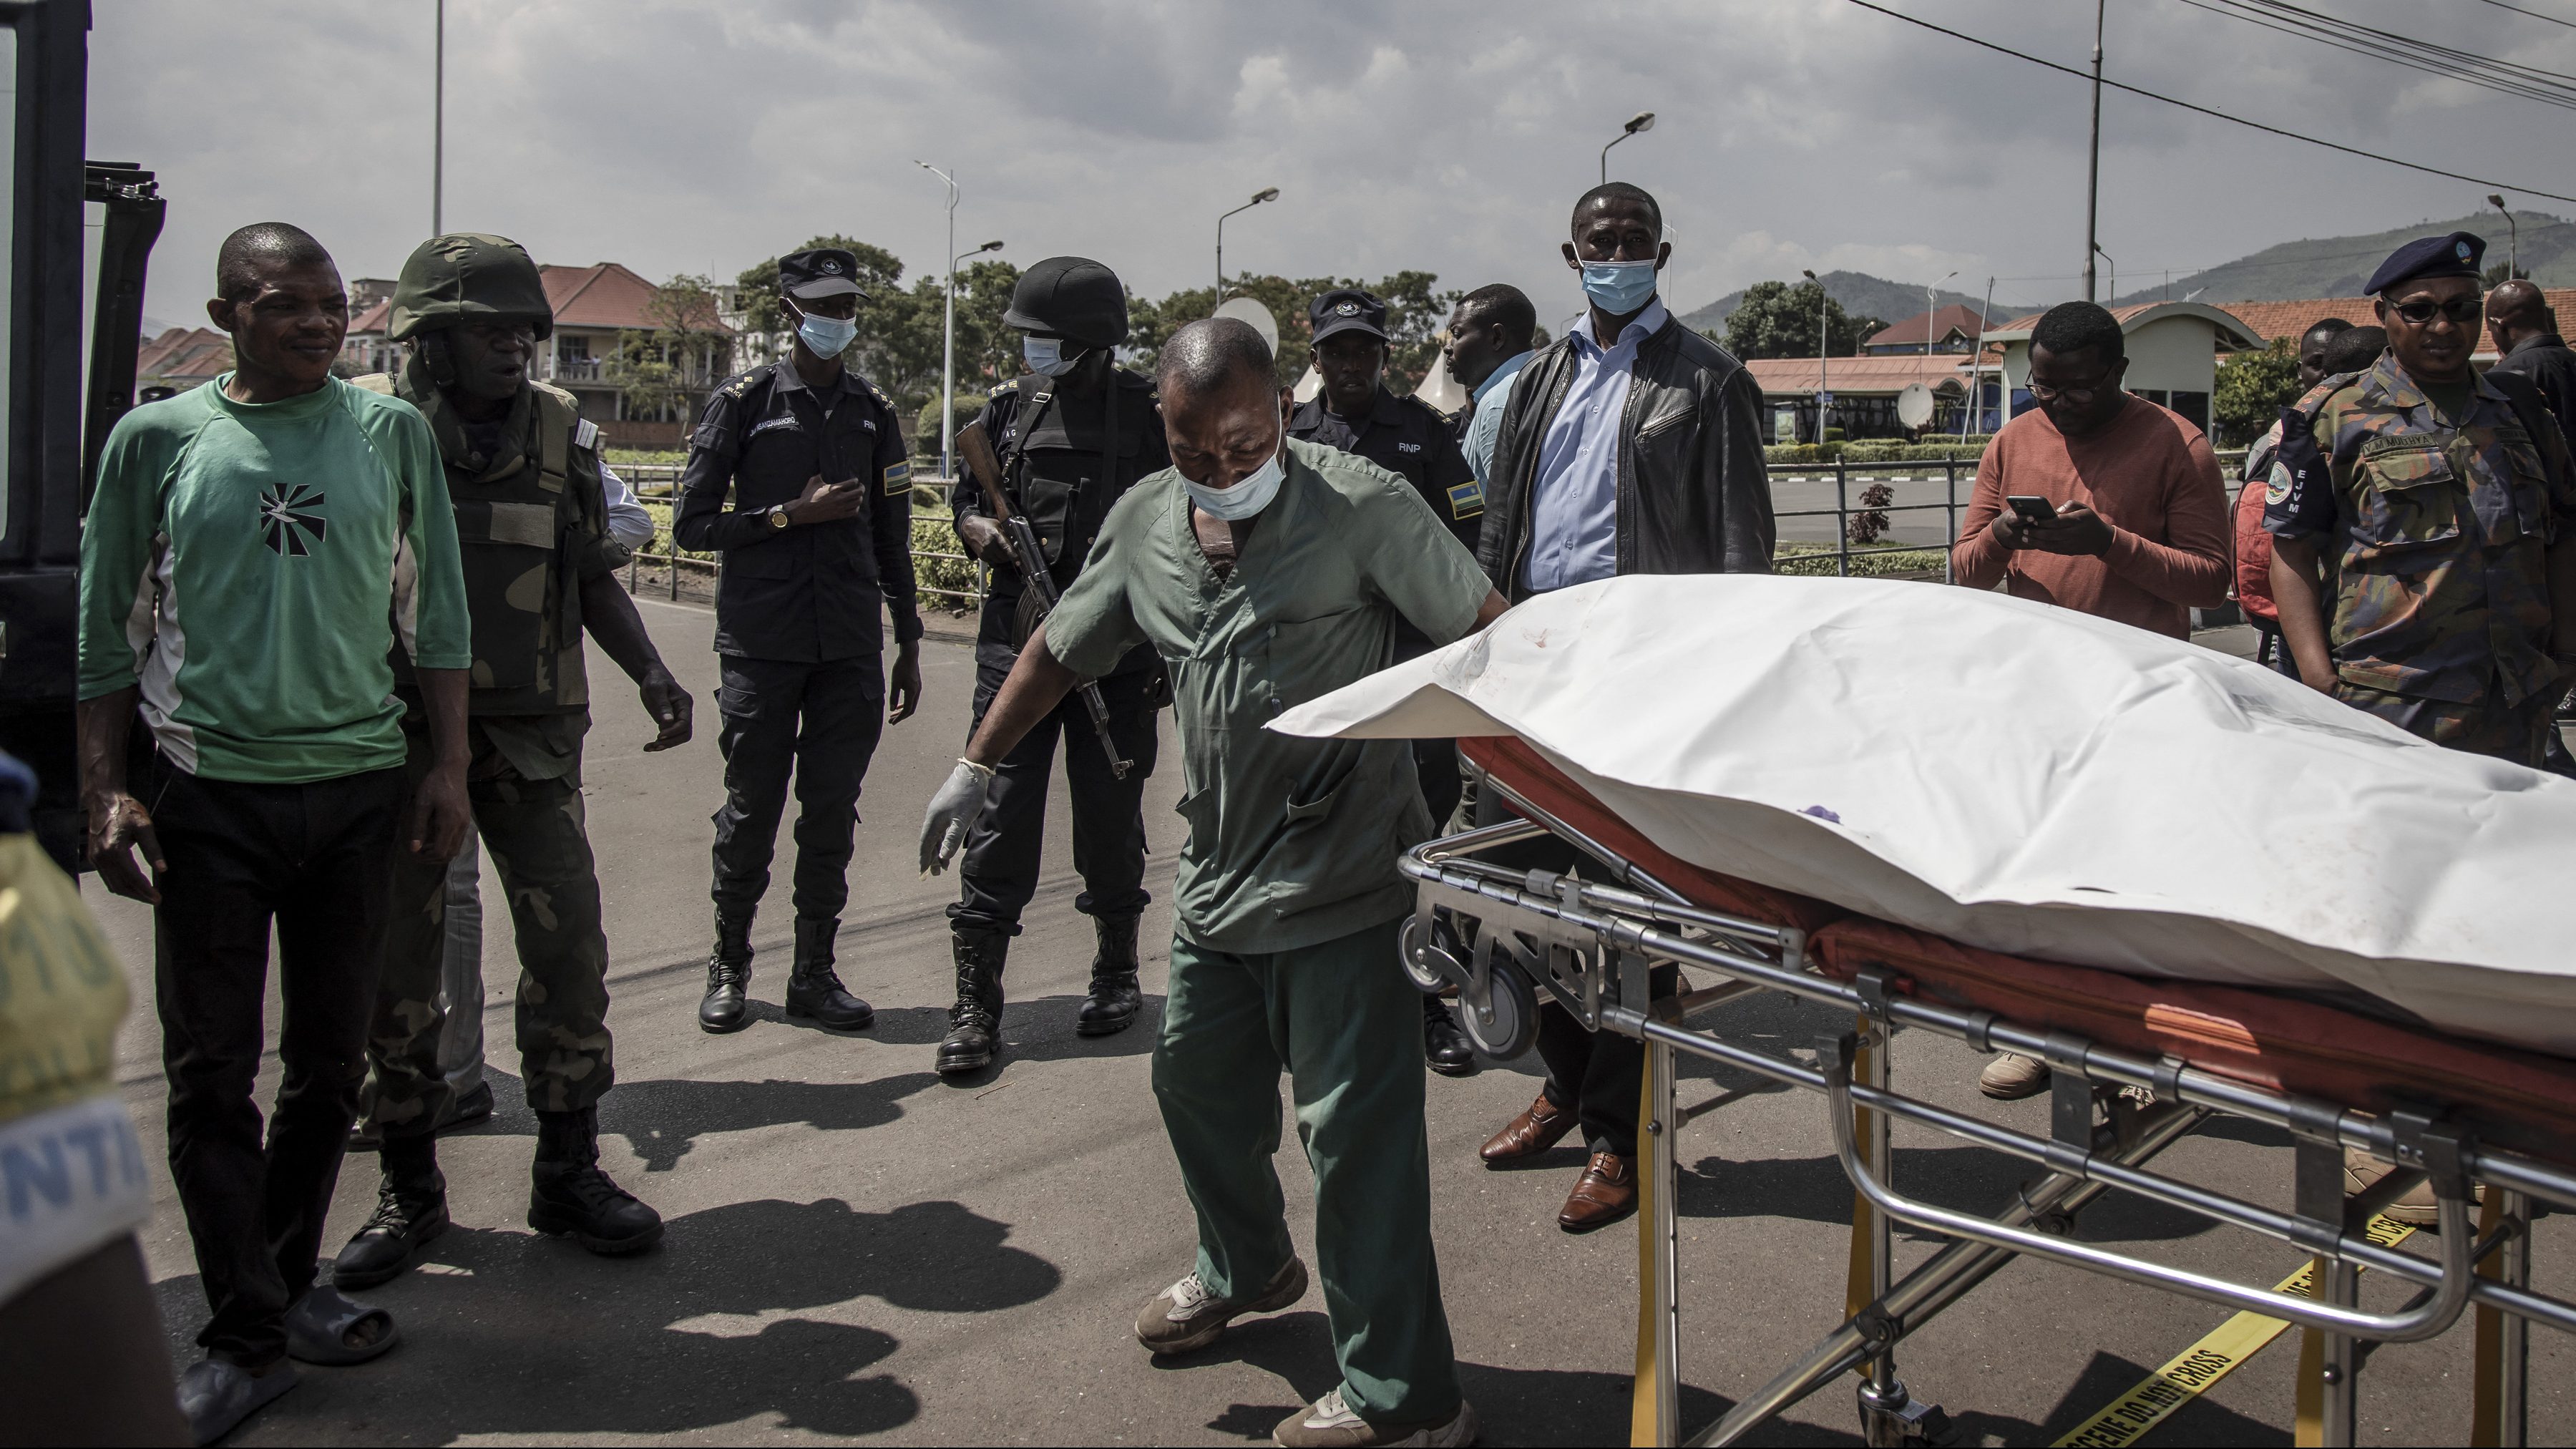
(1332, 1424)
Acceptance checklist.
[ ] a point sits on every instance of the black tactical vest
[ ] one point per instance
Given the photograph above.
(1073, 457)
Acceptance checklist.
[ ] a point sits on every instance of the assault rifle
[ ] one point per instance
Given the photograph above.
(977, 451)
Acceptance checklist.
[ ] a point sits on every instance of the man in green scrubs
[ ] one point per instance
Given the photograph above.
(1269, 572)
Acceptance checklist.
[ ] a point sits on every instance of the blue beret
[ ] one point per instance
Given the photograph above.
(2456, 255)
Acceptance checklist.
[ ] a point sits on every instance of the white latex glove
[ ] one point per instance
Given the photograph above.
(952, 813)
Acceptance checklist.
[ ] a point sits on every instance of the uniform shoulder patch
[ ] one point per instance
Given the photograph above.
(879, 394)
(585, 435)
(1467, 499)
(898, 478)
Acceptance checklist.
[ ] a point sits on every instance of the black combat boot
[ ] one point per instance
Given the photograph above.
(1111, 1005)
(411, 1209)
(728, 1003)
(975, 1022)
(814, 989)
(571, 1195)
(1444, 1041)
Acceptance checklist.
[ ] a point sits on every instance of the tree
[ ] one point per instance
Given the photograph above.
(1416, 312)
(2503, 272)
(2252, 388)
(1776, 319)
(663, 371)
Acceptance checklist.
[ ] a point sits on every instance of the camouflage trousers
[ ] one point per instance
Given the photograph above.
(2519, 733)
(535, 833)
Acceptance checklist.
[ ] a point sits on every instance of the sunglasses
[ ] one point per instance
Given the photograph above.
(2461, 310)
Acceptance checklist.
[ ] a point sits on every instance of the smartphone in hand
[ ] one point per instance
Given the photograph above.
(2031, 508)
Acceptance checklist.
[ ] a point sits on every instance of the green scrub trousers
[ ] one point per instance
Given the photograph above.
(1347, 1027)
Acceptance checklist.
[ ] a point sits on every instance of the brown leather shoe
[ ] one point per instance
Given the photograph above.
(1606, 1193)
(1532, 1132)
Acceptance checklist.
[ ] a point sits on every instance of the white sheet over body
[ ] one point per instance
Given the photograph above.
(2031, 780)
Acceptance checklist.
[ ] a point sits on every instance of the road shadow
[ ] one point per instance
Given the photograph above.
(2105, 1378)
(513, 1336)
(1964, 1179)
(662, 1119)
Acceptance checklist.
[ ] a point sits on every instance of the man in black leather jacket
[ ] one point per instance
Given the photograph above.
(1632, 445)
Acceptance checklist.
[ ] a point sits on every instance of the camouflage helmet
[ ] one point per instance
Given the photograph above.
(448, 279)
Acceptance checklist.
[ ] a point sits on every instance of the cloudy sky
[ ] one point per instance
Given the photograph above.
(673, 135)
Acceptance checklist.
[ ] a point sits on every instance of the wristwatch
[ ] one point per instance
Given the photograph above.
(778, 518)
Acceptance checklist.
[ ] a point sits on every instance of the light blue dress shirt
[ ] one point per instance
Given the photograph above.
(1574, 500)
(1487, 423)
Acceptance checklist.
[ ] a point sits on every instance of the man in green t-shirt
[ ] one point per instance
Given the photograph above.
(1268, 572)
(254, 550)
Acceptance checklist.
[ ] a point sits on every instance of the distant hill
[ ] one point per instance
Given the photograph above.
(1861, 295)
(2337, 266)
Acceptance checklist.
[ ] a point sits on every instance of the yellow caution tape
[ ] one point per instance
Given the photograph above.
(2190, 1373)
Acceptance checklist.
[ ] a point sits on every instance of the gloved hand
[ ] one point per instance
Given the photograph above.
(952, 813)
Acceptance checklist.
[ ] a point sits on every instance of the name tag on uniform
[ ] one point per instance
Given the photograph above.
(783, 420)
(898, 477)
(1467, 500)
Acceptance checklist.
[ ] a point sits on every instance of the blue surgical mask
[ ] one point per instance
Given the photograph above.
(1250, 494)
(1046, 356)
(1619, 288)
(827, 335)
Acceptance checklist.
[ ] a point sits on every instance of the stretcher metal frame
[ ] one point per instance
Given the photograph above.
(1588, 946)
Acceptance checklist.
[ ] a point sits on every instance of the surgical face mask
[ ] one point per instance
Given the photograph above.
(828, 336)
(1619, 288)
(1046, 356)
(1247, 497)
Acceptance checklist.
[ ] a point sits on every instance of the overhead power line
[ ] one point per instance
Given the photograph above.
(2534, 14)
(2510, 78)
(2488, 182)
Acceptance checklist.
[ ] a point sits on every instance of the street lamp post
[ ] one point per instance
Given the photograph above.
(948, 335)
(438, 129)
(2512, 237)
(1642, 121)
(1824, 390)
(2093, 167)
(1927, 322)
(2112, 293)
(1267, 193)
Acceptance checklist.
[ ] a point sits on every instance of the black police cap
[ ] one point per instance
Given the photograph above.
(811, 276)
(2456, 255)
(1070, 297)
(1347, 309)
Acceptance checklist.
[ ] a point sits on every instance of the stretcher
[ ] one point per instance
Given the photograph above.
(2137, 1064)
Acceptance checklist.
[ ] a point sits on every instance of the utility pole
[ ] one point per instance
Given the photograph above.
(947, 334)
(438, 129)
(1824, 386)
(1977, 366)
(2093, 169)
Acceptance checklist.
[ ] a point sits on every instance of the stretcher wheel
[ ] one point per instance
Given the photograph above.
(1503, 1022)
(1433, 962)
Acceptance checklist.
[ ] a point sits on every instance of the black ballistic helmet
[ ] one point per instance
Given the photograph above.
(1075, 298)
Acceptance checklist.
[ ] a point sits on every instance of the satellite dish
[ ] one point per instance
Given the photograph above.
(1245, 309)
(1309, 385)
(1440, 389)
(1914, 405)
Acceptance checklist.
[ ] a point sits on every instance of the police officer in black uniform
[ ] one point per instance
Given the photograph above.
(1073, 436)
(1418, 443)
(817, 550)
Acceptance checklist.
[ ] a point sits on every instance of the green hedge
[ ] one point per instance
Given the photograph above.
(1817, 559)
(1874, 450)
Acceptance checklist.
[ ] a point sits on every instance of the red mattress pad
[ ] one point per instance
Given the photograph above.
(2516, 1099)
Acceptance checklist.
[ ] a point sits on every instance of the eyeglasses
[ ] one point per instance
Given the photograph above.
(2080, 396)
(2461, 310)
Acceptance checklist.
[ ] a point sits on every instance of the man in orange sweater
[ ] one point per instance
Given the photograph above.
(2140, 525)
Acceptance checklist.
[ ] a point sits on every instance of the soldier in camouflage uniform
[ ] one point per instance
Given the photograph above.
(523, 473)
(2452, 503)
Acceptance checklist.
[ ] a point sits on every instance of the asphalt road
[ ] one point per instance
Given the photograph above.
(858, 1248)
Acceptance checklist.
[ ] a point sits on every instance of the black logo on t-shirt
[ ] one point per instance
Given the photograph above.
(288, 523)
